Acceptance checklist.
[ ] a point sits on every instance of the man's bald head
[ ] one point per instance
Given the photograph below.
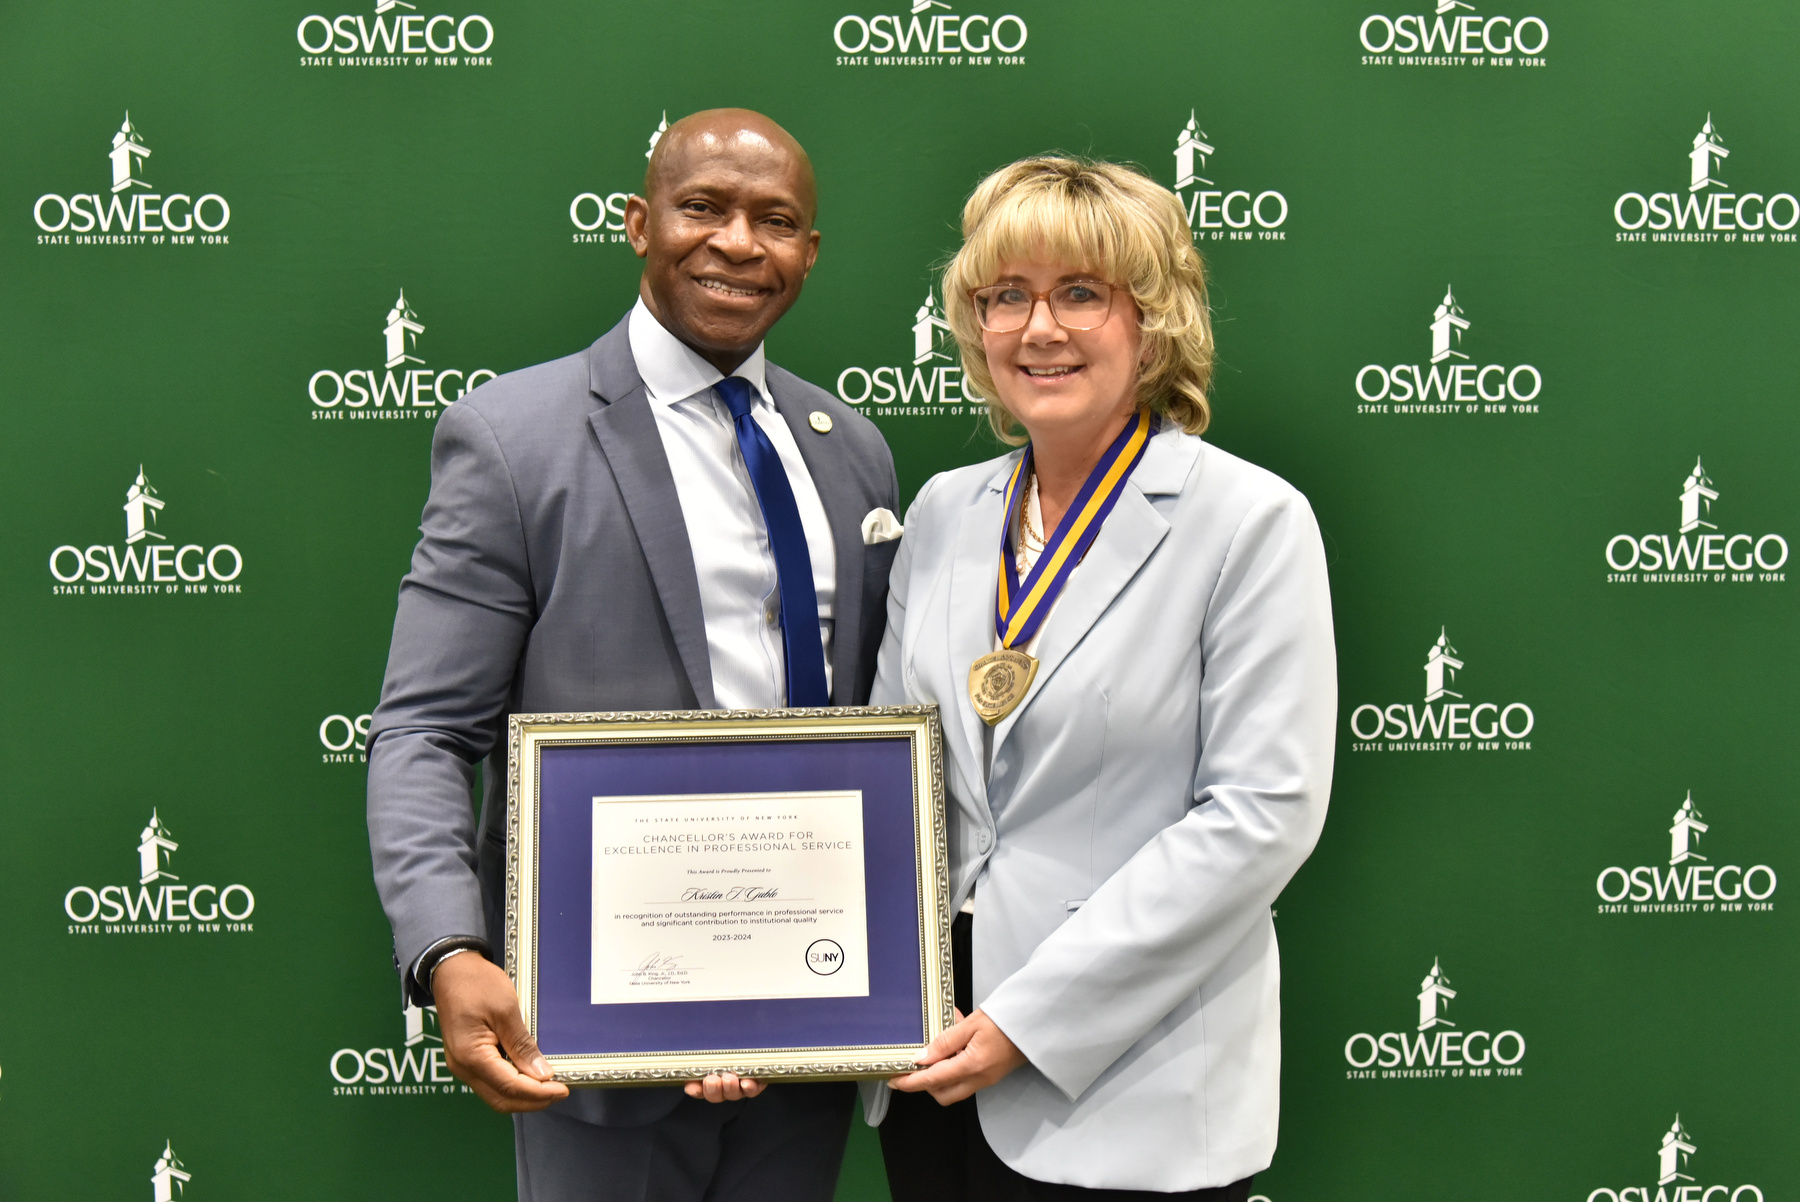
(745, 138)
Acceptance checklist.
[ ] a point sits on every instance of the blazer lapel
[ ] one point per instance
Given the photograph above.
(839, 494)
(1130, 535)
(632, 446)
(974, 580)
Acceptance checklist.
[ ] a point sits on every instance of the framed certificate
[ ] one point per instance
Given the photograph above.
(754, 891)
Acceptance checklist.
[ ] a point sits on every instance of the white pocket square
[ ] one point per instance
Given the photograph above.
(881, 526)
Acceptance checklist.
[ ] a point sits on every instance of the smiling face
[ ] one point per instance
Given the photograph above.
(726, 231)
(1062, 383)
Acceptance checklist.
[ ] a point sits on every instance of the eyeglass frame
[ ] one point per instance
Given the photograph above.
(980, 318)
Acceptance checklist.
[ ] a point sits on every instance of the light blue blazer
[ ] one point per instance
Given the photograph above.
(1160, 784)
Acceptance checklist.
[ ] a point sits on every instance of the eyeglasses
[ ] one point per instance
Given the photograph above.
(1007, 308)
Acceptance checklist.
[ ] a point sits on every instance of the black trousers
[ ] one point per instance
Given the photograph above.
(938, 1153)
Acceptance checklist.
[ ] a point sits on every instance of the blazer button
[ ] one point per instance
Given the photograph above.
(982, 839)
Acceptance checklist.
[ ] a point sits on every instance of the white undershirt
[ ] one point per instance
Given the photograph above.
(739, 594)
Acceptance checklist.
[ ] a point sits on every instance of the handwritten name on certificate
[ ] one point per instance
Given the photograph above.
(717, 896)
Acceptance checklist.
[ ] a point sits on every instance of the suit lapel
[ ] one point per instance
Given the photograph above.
(974, 579)
(1130, 535)
(840, 496)
(632, 445)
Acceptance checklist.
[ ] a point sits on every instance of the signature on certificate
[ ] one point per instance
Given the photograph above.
(658, 962)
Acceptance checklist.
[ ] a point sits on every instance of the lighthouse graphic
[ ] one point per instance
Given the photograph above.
(1673, 1155)
(929, 329)
(127, 151)
(1450, 6)
(1707, 147)
(168, 1179)
(1697, 496)
(1434, 987)
(155, 846)
(657, 133)
(1191, 150)
(1686, 832)
(1447, 322)
(141, 507)
(421, 1024)
(402, 333)
(1441, 666)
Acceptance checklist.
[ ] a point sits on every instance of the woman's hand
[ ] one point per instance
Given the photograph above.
(972, 1055)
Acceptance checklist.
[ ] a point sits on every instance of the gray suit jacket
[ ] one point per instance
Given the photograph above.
(553, 573)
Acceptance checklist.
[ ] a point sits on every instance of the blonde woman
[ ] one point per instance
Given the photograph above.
(1129, 634)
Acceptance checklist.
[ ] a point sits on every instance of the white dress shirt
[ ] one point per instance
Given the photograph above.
(739, 588)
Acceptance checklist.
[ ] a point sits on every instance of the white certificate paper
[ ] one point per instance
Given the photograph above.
(719, 896)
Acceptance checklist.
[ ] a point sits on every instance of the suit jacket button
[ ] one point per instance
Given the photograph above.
(820, 422)
(981, 840)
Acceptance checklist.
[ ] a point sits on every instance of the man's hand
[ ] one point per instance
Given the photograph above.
(723, 1087)
(972, 1055)
(478, 1015)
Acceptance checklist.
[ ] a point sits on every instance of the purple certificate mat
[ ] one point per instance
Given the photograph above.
(570, 777)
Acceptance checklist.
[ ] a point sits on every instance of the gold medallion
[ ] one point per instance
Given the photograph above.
(998, 681)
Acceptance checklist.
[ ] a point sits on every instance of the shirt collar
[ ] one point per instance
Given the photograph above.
(671, 370)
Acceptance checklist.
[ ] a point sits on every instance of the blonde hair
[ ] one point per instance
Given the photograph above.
(1109, 219)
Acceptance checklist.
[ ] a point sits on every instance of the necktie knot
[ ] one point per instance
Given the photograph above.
(737, 393)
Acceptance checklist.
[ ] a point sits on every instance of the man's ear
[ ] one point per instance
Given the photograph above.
(637, 224)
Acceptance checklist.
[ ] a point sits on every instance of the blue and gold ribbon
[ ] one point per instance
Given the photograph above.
(1021, 608)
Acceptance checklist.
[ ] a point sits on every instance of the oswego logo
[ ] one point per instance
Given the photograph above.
(1436, 1047)
(1451, 382)
(168, 1176)
(345, 739)
(1709, 556)
(160, 906)
(149, 563)
(367, 393)
(1706, 212)
(1217, 212)
(395, 39)
(416, 1067)
(1449, 38)
(1442, 724)
(598, 218)
(932, 386)
(926, 37)
(1690, 884)
(132, 213)
(1674, 1153)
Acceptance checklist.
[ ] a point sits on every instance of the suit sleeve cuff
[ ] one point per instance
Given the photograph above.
(416, 979)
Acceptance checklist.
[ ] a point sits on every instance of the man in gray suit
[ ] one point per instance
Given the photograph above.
(661, 521)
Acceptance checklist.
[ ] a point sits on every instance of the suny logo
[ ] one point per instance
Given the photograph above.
(1690, 884)
(416, 1067)
(154, 564)
(364, 393)
(1674, 1155)
(1436, 1047)
(160, 906)
(1708, 557)
(1441, 724)
(934, 379)
(131, 214)
(1706, 212)
(1227, 214)
(600, 218)
(1449, 38)
(168, 1177)
(345, 739)
(1450, 383)
(926, 37)
(395, 39)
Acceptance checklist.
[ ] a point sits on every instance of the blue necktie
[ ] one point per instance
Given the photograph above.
(787, 538)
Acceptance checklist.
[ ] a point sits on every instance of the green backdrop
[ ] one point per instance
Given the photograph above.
(210, 510)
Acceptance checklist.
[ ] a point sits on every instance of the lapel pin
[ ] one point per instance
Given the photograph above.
(820, 422)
